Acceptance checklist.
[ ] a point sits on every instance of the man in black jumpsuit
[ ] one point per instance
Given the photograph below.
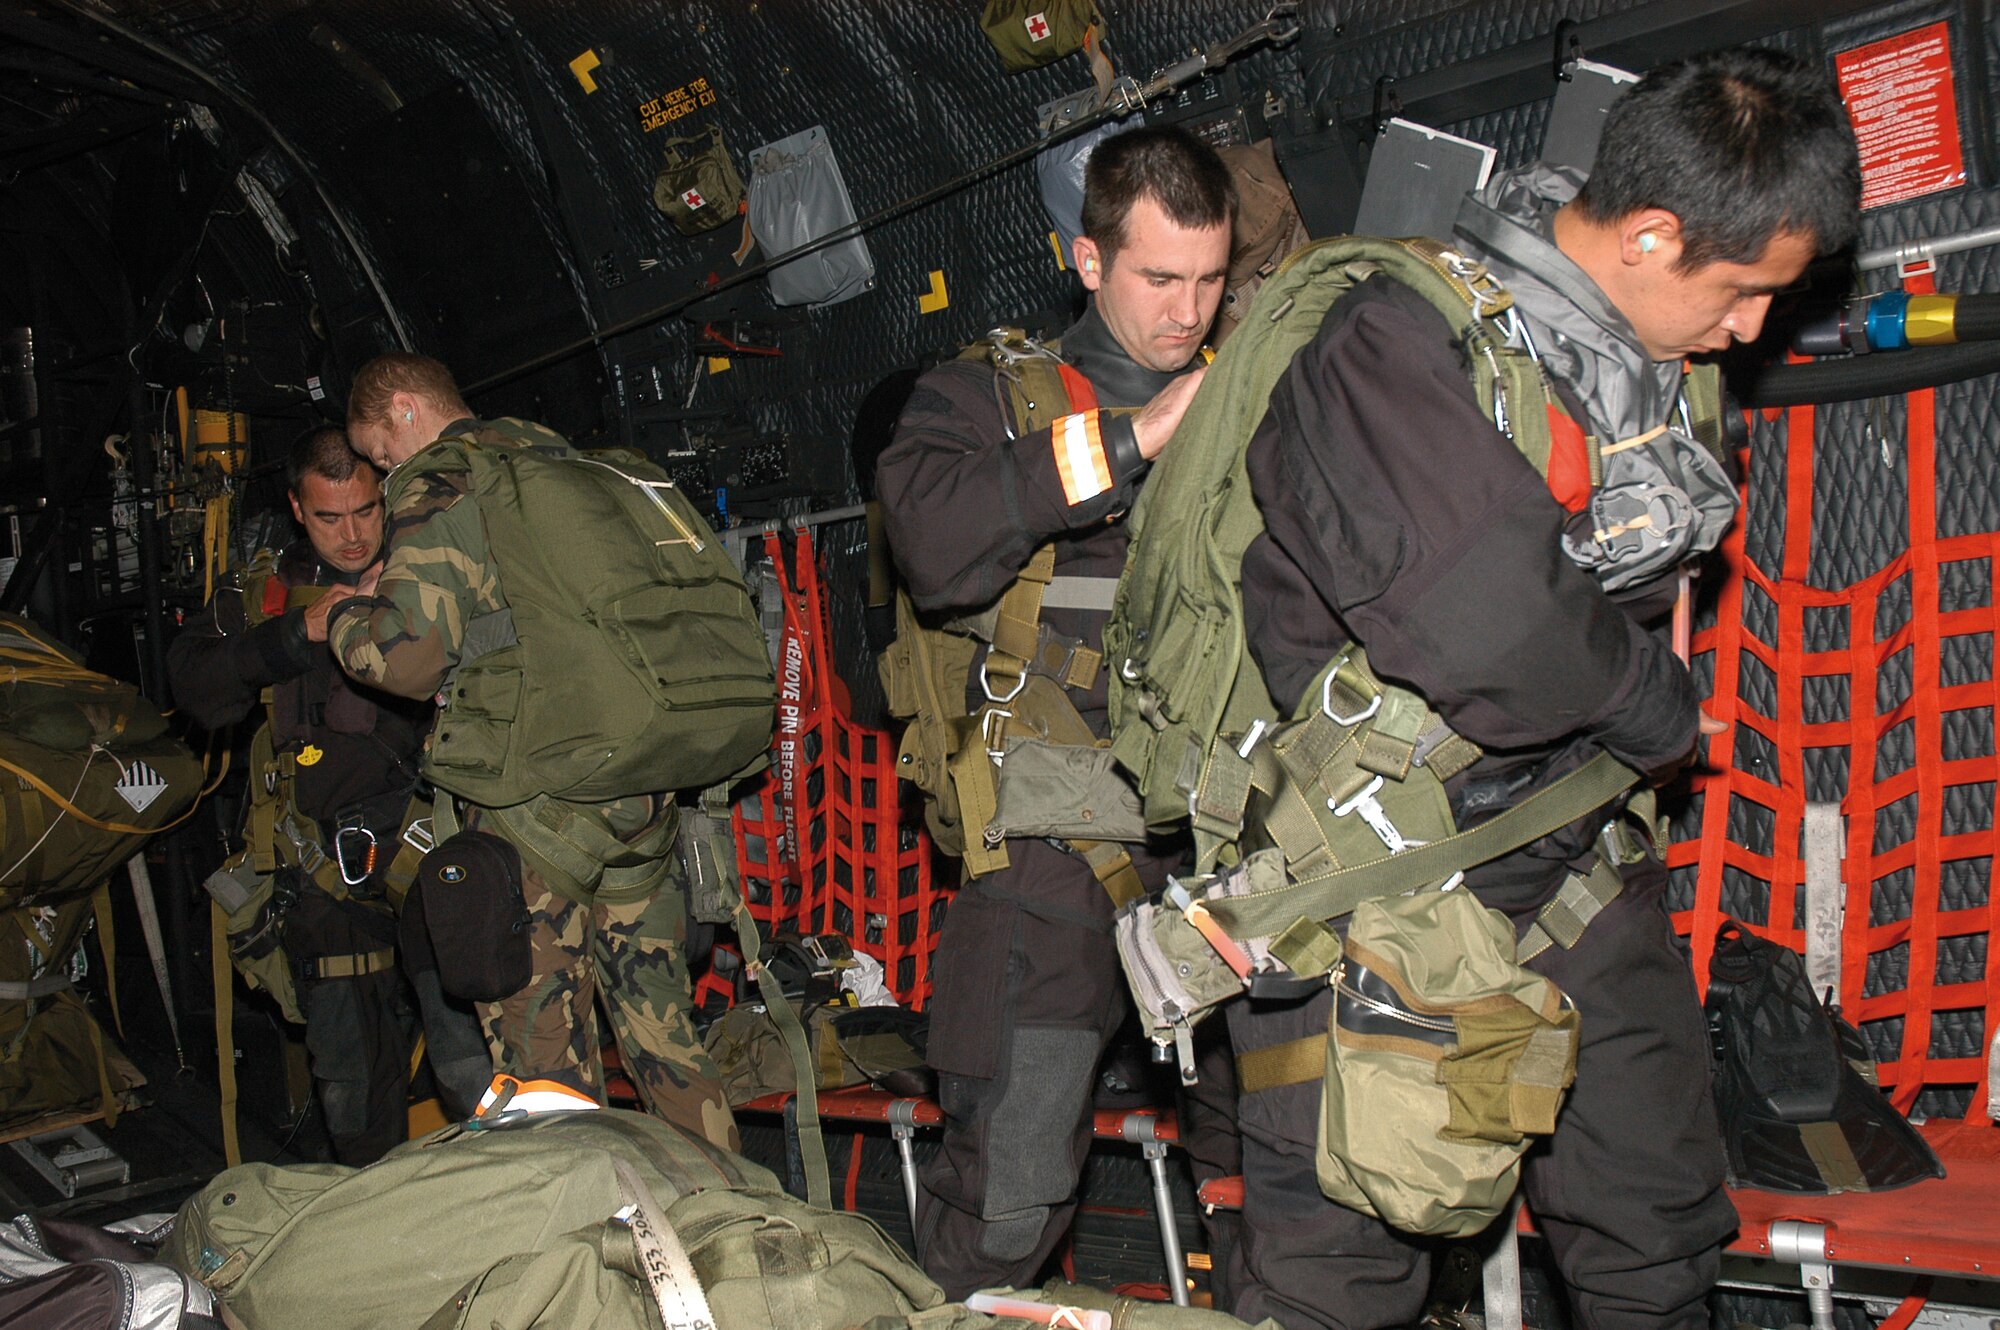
(353, 753)
(1400, 517)
(1028, 985)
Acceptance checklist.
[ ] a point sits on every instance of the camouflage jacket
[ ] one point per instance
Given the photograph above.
(438, 574)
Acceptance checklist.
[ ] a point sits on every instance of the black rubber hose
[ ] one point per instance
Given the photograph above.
(1884, 374)
(1976, 318)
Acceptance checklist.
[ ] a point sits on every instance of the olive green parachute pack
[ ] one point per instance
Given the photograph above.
(557, 1221)
(1344, 800)
(88, 772)
(629, 659)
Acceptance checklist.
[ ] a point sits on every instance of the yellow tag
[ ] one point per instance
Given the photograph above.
(935, 299)
(717, 364)
(309, 755)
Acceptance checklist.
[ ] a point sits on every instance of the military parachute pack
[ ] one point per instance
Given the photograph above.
(629, 659)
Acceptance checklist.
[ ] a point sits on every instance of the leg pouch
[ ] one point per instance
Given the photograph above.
(468, 900)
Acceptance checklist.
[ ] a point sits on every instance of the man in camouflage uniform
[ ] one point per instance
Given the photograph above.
(345, 757)
(404, 631)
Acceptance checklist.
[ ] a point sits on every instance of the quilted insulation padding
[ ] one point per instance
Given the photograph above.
(1860, 495)
(912, 96)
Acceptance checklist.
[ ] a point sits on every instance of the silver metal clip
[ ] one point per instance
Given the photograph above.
(421, 835)
(366, 839)
(1345, 722)
(1376, 816)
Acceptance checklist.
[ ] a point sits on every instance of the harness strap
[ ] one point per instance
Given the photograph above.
(1294, 1062)
(41, 986)
(669, 1274)
(1330, 894)
(1080, 593)
(1562, 921)
(812, 1141)
(347, 967)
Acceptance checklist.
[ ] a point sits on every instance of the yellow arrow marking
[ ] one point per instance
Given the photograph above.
(581, 67)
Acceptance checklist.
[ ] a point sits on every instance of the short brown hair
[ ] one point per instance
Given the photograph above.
(401, 372)
(322, 451)
(1165, 164)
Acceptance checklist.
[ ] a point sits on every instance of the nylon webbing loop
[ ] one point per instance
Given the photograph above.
(1581, 898)
(1292, 1063)
(354, 966)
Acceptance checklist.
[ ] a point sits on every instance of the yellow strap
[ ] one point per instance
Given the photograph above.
(107, 943)
(225, 1030)
(355, 966)
(1291, 1063)
(1111, 864)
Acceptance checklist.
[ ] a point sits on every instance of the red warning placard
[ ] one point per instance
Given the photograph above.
(1904, 106)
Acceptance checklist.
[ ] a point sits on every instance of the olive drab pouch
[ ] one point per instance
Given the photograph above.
(1031, 33)
(1179, 973)
(468, 898)
(706, 850)
(254, 906)
(750, 1053)
(698, 188)
(1444, 1060)
(1064, 791)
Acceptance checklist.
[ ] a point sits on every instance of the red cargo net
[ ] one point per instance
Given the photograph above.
(1930, 777)
(822, 843)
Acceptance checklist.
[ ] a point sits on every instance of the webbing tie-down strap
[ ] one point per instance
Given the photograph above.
(669, 1273)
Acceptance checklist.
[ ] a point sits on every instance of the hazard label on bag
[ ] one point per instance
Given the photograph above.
(139, 786)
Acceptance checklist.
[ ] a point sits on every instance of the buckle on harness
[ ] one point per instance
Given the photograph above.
(986, 726)
(420, 835)
(1345, 722)
(1372, 812)
(364, 839)
(986, 687)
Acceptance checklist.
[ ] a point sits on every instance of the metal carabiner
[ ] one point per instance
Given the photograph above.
(340, 843)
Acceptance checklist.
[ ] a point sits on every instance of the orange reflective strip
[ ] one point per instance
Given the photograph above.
(1080, 460)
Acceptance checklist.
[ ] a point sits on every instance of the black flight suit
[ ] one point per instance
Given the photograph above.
(363, 748)
(1029, 990)
(1398, 516)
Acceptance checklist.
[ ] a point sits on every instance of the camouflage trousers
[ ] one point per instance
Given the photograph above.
(630, 954)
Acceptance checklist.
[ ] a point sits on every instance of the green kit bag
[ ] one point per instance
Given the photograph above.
(629, 659)
(1443, 1060)
(698, 188)
(517, 1224)
(1031, 33)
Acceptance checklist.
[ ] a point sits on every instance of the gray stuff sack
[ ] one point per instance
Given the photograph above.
(797, 196)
